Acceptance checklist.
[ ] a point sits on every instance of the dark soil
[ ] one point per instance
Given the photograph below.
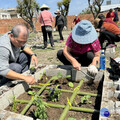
(54, 113)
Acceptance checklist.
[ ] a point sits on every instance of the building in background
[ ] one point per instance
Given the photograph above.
(9, 13)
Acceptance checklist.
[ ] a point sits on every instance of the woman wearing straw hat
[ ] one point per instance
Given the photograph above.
(82, 48)
(46, 19)
(60, 23)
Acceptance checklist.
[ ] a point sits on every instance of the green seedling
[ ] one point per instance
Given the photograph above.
(54, 93)
(85, 99)
(70, 84)
(14, 107)
(71, 118)
(40, 112)
(32, 70)
(33, 93)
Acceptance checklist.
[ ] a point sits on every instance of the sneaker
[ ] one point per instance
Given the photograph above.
(61, 41)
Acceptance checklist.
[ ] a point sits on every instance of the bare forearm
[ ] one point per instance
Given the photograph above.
(28, 50)
(96, 58)
(15, 76)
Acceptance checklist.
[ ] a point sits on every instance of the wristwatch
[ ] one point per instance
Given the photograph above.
(33, 54)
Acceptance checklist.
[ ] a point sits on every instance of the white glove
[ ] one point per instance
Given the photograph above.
(92, 70)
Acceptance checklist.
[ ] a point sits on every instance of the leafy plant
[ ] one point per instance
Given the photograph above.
(54, 93)
(85, 99)
(32, 93)
(32, 70)
(71, 118)
(14, 107)
(83, 119)
(40, 112)
(70, 84)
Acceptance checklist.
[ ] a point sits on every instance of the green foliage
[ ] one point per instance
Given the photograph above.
(54, 93)
(40, 112)
(32, 70)
(33, 93)
(70, 84)
(27, 10)
(85, 99)
(14, 107)
(83, 119)
(71, 118)
(86, 11)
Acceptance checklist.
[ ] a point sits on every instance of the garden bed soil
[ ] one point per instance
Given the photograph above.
(54, 113)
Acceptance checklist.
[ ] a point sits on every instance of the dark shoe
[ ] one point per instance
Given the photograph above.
(44, 48)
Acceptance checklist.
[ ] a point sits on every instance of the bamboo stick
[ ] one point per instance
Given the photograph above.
(79, 109)
(69, 91)
(32, 100)
(67, 107)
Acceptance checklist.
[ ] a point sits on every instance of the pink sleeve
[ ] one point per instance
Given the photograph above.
(96, 45)
(69, 41)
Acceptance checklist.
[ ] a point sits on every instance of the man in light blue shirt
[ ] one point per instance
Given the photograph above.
(15, 55)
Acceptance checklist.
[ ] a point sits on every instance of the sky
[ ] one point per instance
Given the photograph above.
(76, 6)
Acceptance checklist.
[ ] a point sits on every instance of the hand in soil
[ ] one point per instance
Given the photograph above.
(30, 80)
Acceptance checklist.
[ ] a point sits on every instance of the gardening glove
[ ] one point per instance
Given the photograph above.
(92, 70)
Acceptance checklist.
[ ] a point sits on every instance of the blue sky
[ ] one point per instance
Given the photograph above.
(76, 6)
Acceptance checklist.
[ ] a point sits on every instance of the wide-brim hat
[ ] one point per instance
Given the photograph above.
(44, 6)
(96, 22)
(84, 32)
(57, 11)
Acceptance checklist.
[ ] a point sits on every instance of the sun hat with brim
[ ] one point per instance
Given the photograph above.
(84, 32)
(57, 11)
(44, 6)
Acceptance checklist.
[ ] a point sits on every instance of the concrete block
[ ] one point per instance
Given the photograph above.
(6, 98)
(14, 116)
(110, 84)
(110, 94)
(117, 104)
(117, 110)
(117, 94)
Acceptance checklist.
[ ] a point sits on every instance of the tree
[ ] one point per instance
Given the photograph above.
(27, 10)
(86, 11)
(63, 6)
(95, 7)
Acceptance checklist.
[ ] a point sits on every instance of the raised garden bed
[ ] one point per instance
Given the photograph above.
(78, 101)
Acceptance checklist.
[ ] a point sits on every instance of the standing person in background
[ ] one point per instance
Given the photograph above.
(46, 19)
(60, 23)
(76, 20)
(110, 14)
(116, 18)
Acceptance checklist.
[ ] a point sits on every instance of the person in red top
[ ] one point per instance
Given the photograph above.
(82, 48)
(110, 14)
(109, 34)
(103, 19)
(76, 20)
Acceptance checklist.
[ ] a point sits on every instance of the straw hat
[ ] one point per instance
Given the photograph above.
(57, 11)
(84, 32)
(44, 6)
(96, 22)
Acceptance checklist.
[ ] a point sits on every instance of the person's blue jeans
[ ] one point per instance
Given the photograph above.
(20, 66)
